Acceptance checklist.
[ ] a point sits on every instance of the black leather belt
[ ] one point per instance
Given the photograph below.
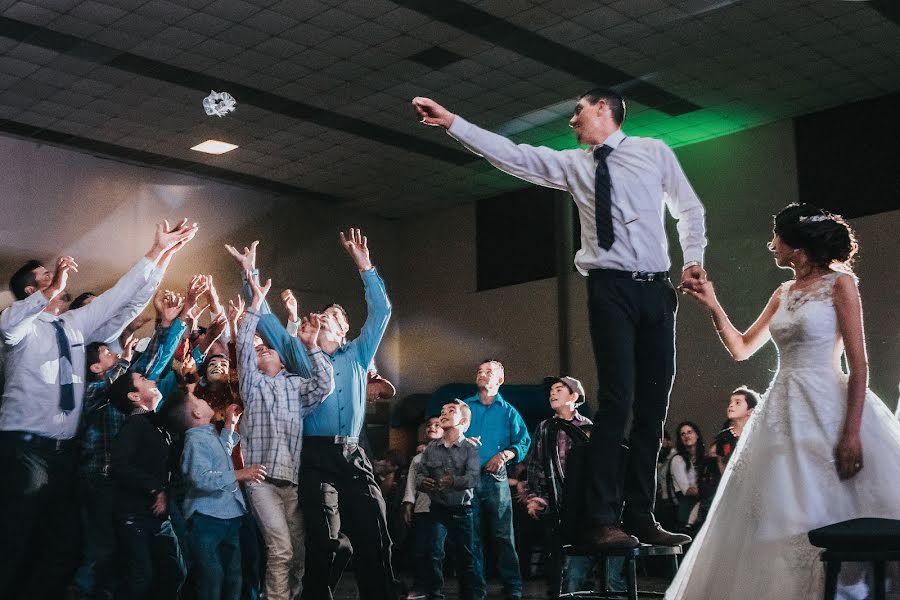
(40, 441)
(633, 275)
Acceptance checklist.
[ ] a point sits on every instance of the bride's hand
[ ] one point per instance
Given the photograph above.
(704, 293)
(848, 456)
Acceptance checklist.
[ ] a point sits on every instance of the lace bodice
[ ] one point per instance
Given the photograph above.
(805, 327)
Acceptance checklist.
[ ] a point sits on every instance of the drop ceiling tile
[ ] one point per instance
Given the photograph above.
(233, 10)
(98, 13)
(75, 26)
(205, 24)
(29, 13)
(165, 11)
(243, 36)
(403, 19)
(270, 22)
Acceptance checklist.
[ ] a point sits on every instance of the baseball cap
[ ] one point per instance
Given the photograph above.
(570, 382)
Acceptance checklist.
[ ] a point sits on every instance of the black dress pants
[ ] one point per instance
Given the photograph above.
(38, 516)
(345, 516)
(633, 333)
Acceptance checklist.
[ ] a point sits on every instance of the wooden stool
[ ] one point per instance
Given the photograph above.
(875, 541)
(631, 555)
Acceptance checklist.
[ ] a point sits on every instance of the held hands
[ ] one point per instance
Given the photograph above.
(535, 507)
(848, 456)
(692, 278)
(357, 246)
(247, 258)
(705, 294)
(309, 330)
(64, 264)
(251, 474)
(259, 291)
(432, 113)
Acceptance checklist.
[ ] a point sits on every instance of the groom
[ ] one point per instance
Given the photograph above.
(620, 185)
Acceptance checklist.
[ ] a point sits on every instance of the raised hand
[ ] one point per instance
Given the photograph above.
(212, 295)
(290, 303)
(247, 258)
(173, 237)
(235, 310)
(214, 330)
(128, 347)
(259, 291)
(251, 473)
(64, 264)
(160, 504)
(168, 305)
(309, 330)
(432, 113)
(233, 414)
(357, 246)
(198, 286)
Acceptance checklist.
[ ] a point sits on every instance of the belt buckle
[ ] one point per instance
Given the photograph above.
(642, 276)
(345, 439)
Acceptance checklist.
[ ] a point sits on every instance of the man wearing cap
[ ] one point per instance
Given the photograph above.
(566, 395)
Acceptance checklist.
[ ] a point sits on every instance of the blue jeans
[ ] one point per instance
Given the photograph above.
(578, 568)
(154, 567)
(457, 521)
(493, 516)
(216, 552)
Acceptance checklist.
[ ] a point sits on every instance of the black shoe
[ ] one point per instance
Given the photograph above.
(655, 535)
(609, 537)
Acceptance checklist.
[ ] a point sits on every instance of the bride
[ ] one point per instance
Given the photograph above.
(800, 463)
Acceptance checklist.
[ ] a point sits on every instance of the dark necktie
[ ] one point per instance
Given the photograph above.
(603, 199)
(66, 387)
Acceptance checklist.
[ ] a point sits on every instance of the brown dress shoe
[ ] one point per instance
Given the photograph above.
(655, 535)
(609, 537)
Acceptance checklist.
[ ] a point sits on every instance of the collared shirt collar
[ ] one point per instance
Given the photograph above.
(458, 442)
(613, 141)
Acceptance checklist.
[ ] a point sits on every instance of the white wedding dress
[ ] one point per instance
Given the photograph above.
(781, 482)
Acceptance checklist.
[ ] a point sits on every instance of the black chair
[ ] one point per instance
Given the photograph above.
(567, 513)
(875, 541)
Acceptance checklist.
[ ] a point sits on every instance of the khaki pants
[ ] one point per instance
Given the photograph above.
(276, 509)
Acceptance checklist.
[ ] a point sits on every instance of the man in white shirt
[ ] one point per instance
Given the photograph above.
(621, 186)
(41, 408)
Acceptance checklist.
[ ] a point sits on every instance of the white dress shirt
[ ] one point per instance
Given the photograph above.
(32, 390)
(645, 176)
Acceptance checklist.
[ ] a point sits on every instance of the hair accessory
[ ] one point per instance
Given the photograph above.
(814, 218)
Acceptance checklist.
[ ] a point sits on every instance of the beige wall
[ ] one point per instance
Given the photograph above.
(446, 326)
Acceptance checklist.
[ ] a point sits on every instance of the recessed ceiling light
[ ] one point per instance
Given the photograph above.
(214, 147)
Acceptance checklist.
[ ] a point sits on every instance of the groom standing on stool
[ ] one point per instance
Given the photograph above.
(620, 186)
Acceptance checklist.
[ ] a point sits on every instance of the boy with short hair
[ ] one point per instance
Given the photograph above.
(415, 513)
(566, 394)
(448, 473)
(214, 504)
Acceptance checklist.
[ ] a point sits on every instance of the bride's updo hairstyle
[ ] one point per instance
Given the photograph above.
(826, 237)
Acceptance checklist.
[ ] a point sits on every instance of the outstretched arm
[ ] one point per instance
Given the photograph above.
(740, 345)
(379, 307)
(538, 164)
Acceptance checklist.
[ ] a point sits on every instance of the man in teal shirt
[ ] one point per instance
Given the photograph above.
(504, 438)
(342, 503)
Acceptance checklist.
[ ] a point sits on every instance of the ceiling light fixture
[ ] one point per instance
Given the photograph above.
(214, 147)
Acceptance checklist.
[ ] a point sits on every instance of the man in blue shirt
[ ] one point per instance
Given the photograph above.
(504, 438)
(342, 503)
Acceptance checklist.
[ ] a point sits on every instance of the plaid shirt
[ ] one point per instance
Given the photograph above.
(537, 478)
(101, 422)
(274, 407)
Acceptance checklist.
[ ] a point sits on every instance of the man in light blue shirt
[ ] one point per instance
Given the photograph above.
(342, 503)
(504, 438)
